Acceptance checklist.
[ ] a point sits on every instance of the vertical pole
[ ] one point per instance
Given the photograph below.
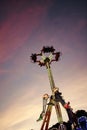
(51, 80)
(52, 84)
(58, 112)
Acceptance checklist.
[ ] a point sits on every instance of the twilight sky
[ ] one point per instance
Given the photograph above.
(25, 27)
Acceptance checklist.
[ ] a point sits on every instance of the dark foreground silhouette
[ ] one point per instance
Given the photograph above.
(63, 126)
(81, 116)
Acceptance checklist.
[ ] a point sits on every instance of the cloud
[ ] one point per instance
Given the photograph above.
(21, 110)
(17, 29)
(22, 84)
(17, 113)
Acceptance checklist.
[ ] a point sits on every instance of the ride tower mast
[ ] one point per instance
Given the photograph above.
(48, 55)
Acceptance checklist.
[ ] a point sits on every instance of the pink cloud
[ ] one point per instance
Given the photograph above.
(17, 29)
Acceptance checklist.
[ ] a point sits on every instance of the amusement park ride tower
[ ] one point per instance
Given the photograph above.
(48, 55)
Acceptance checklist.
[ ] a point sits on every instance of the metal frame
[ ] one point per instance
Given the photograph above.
(56, 95)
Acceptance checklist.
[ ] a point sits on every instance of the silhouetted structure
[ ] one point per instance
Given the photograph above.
(81, 116)
(63, 126)
(76, 120)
